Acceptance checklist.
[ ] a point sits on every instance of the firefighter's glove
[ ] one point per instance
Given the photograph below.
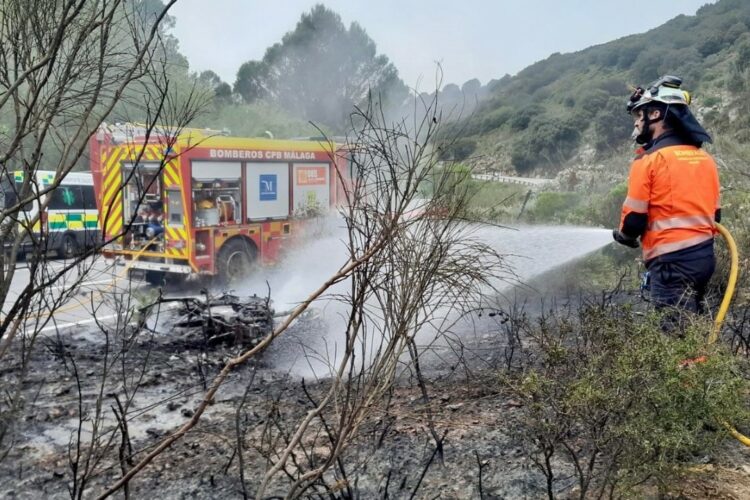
(624, 239)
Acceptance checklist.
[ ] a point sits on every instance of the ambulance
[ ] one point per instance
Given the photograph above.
(69, 223)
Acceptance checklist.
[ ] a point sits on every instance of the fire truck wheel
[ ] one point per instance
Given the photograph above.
(236, 259)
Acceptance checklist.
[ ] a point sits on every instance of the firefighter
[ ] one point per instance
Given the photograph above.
(673, 196)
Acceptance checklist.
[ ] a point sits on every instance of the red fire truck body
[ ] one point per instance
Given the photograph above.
(203, 202)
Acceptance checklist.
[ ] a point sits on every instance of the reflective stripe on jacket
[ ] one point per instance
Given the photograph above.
(677, 188)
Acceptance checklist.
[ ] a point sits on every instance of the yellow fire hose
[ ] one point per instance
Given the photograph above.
(728, 294)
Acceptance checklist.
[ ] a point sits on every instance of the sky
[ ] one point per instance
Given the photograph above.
(469, 38)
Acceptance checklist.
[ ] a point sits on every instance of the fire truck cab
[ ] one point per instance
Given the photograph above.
(206, 203)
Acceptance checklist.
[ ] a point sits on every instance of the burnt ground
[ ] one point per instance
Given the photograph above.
(390, 456)
(394, 455)
(393, 452)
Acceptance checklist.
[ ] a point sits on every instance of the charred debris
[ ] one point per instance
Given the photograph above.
(226, 319)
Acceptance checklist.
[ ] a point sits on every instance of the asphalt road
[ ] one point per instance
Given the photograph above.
(85, 294)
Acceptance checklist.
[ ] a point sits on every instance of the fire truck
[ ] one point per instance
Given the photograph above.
(203, 202)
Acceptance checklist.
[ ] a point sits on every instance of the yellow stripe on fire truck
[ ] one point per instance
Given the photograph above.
(172, 174)
(111, 202)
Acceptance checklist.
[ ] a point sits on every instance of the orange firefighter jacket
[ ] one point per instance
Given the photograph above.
(673, 198)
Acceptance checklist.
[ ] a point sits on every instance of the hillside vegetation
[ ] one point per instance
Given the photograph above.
(565, 111)
(569, 109)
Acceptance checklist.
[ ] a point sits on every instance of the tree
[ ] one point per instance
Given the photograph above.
(220, 88)
(471, 87)
(451, 93)
(743, 54)
(321, 70)
(593, 102)
(649, 65)
(252, 81)
(550, 141)
(521, 120)
(458, 150)
(711, 45)
(65, 65)
(612, 126)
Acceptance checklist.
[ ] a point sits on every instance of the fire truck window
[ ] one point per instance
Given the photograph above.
(175, 207)
(143, 186)
(217, 193)
(151, 183)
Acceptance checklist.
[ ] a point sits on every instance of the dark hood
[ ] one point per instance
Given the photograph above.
(686, 126)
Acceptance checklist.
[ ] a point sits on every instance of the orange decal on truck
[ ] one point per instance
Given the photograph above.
(311, 176)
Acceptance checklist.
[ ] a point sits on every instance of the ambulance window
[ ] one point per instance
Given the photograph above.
(7, 193)
(15, 194)
(174, 207)
(66, 198)
(89, 200)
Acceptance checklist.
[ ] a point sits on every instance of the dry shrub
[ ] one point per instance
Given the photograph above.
(610, 403)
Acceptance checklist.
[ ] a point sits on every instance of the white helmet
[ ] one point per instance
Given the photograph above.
(665, 90)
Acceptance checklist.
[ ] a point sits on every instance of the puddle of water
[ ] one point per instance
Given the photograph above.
(65, 430)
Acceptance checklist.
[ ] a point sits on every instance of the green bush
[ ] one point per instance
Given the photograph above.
(548, 141)
(595, 100)
(711, 100)
(553, 206)
(522, 157)
(611, 402)
(522, 118)
(458, 149)
(711, 117)
(496, 119)
(605, 209)
(495, 200)
(742, 61)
